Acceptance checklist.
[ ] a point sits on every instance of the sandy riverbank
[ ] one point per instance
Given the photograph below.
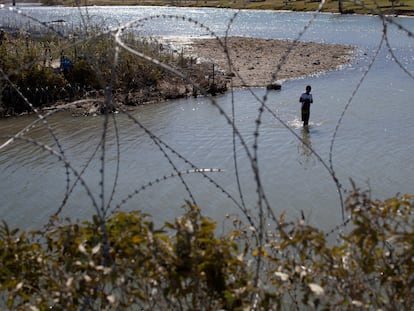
(258, 62)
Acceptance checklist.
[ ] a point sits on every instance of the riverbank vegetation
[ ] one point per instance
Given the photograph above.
(43, 70)
(125, 263)
(393, 7)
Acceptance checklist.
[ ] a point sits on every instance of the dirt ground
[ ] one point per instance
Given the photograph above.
(258, 62)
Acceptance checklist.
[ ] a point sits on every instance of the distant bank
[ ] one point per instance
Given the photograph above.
(386, 7)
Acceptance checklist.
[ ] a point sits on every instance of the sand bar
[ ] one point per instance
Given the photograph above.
(258, 62)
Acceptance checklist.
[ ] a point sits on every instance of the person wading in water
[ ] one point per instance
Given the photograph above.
(306, 100)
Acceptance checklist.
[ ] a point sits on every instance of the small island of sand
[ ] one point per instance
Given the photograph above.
(259, 62)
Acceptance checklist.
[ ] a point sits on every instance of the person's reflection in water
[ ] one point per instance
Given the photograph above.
(305, 147)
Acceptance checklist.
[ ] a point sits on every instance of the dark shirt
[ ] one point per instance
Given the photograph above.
(306, 100)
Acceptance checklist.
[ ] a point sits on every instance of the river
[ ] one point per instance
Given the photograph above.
(373, 143)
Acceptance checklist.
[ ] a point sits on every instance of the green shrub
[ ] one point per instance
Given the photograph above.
(125, 263)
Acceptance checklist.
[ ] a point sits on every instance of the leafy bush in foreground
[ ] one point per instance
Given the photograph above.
(124, 263)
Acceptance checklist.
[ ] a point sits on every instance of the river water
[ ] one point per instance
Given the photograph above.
(373, 145)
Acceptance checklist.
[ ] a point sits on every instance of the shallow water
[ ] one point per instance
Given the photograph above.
(373, 145)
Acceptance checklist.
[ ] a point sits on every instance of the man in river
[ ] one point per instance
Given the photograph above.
(306, 100)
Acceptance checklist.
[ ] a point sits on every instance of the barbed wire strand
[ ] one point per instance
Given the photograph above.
(107, 103)
(395, 58)
(159, 180)
(350, 100)
(159, 142)
(118, 164)
(38, 21)
(43, 121)
(233, 110)
(67, 164)
(77, 179)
